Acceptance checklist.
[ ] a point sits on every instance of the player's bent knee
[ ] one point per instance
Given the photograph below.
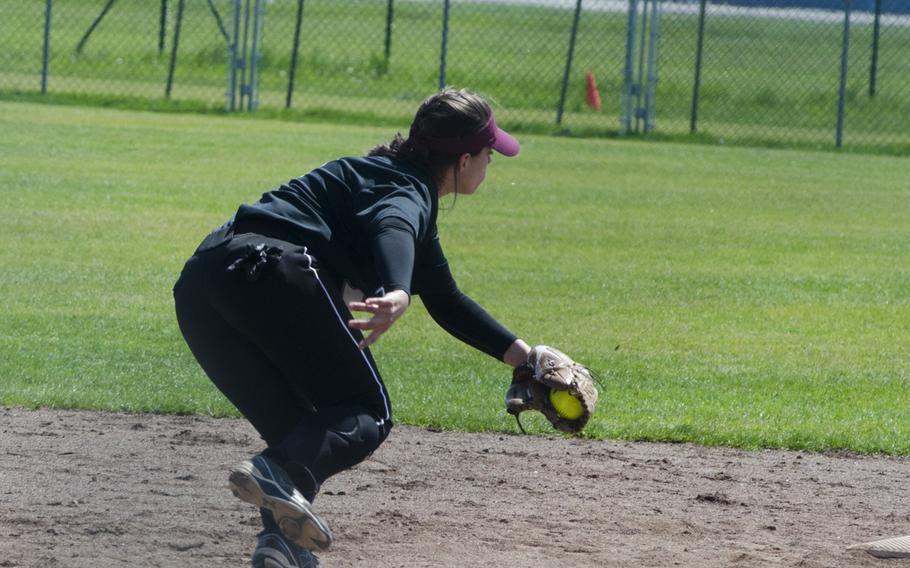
(352, 438)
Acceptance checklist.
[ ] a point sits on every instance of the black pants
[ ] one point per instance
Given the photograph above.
(270, 330)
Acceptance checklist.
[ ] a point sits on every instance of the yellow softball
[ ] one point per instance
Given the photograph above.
(565, 404)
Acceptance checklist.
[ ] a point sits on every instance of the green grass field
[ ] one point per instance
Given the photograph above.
(743, 297)
(766, 81)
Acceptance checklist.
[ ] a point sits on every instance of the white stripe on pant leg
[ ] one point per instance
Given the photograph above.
(376, 378)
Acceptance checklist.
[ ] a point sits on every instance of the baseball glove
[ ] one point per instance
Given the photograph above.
(546, 378)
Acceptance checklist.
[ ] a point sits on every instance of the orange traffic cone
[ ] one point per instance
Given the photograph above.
(592, 97)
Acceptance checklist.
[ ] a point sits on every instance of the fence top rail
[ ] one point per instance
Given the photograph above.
(862, 12)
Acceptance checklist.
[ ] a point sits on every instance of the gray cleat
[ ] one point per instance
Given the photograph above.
(273, 551)
(263, 483)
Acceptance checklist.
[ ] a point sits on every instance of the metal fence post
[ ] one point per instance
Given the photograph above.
(292, 71)
(876, 30)
(231, 93)
(641, 62)
(445, 41)
(696, 83)
(843, 76)
(629, 80)
(258, 17)
(565, 77)
(45, 55)
(651, 83)
(173, 62)
(162, 25)
(244, 61)
(389, 18)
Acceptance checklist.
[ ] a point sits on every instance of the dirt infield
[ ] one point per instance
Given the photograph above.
(110, 490)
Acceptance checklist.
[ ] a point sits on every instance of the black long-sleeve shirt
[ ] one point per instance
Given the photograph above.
(371, 221)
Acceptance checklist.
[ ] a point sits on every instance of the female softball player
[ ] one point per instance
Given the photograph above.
(262, 306)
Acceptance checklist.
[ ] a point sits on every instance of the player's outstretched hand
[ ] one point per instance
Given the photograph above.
(386, 310)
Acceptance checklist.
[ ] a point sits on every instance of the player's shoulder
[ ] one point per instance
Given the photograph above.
(360, 165)
(383, 170)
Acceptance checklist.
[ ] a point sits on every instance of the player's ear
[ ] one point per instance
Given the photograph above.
(463, 161)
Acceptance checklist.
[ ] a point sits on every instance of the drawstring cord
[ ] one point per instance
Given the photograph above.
(256, 258)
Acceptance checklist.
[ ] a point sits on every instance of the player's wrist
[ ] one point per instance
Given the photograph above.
(400, 296)
(517, 353)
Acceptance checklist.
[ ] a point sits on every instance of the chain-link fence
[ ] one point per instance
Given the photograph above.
(788, 72)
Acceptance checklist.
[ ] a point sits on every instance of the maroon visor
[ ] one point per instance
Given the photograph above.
(490, 135)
